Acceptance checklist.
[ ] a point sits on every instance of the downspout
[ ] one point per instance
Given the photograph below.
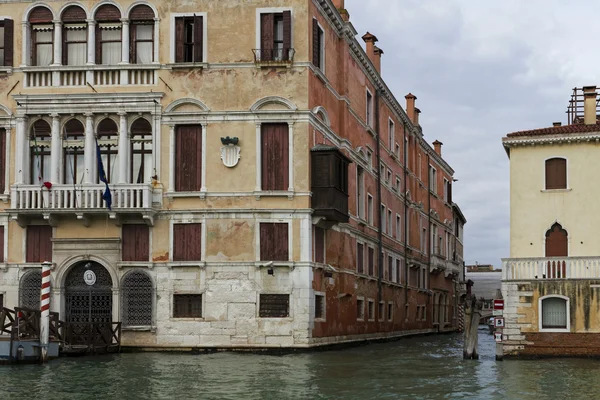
(405, 156)
(430, 245)
(380, 225)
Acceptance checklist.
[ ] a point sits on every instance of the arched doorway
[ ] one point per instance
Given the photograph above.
(557, 245)
(88, 303)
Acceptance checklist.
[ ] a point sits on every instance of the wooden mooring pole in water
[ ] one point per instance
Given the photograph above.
(45, 312)
(472, 316)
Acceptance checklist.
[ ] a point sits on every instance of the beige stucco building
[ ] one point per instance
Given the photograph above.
(550, 281)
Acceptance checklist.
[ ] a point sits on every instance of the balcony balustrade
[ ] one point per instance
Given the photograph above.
(96, 75)
(273, 57)
(550, 268)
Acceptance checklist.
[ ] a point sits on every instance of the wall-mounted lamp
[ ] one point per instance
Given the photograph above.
(229, 140)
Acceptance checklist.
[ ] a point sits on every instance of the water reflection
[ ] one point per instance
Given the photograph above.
(417, 368)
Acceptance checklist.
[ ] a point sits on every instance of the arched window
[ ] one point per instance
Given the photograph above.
(136, 302)
(141, 32)
(108, 35)
(39, 148)
(29, 290)
(108, 135)
(554, 313)
(556, 173)
(141, 151)
(74, 133)
(42, 36)
(74, 50)
(557, 245)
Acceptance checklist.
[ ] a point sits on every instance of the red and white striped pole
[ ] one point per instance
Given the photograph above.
(45, 311)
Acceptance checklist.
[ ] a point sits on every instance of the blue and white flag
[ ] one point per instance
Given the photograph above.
(107, 196)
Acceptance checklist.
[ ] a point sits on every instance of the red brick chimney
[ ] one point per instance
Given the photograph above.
(410, 106)
(370, 40)
(437, 145)
(589, 105)
(339, 4)
(377, 52)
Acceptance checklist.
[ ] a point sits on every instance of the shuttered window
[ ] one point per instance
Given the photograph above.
(6, 42)
(108, 35)
(275, 156)
(390, 268)
(371, 261)
(556, 173)
(189, 36)
(141, 41)
(318, 46)
(360, 258)
(2, 243)
(188, 158)
(319, 245)
(554, 313)
(274, 241)
(2, 159)
(276, 36)
(274, 306)
(39, 244)
(187, 239)
(135, 242)
(187, 306)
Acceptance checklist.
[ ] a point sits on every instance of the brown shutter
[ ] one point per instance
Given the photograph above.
(275, 156)
(98, 45)
(449, 192)
(360, 256)
(135, 242)
(108, 12)
(40, 15)
(65, 53)
(557, 242)
(33, 49)
(2, 159)
(132, 44)
(287, 34)
(179, 37)
(198, 37)
(316, 48)
(39, 243)
(266, 241)
(187, 242)
(319, 245)
(371, 261)
(8, 42)
(141, 12)
(267, 39)
(274, 242)
(73, 14)
(1, 243)
(556, 173)
(188, 153)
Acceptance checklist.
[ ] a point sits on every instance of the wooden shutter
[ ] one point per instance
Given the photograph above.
(108, 12)
(556, 173)
(267, 38)
(132, 44)
(274, 242)
(187, 241)
(2, 159)
(65, 52)
(98, 44)
(371, 261)
(8, 42)
(360, 258)
(557, 242)
(319, 245)
(316, 45)
(287, 34)
(275, 156)
(198, 37)
(135, 242)
(179, 37)
(141, 12)
(450, 192)
(39, 244)
(1, 243)
(40, 15)
(73, 14)
(188, 158)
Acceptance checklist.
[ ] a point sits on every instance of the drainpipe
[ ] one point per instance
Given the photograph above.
(429, 253)
(405, 219)
(380, 225)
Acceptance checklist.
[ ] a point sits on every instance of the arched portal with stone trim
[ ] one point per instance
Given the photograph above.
(88, 303)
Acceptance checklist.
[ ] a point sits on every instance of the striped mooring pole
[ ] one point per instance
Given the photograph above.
(45, 311)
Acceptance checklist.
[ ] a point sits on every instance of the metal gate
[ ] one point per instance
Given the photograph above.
(87, 306)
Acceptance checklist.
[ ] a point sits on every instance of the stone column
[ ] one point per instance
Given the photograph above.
(291, 156)
(22, 148)
(55, 153)
(171, 158)
(91, 44)
(156, 40)
(258, 158)
(203, 183)
(89, 150)
(25, 48)
(125, 41)
(7, 161)
(123, 148)
(57, 43)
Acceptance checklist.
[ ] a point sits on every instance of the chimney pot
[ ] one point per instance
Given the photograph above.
(339, 4)
(417, 112)
(377, 52)
(557, 124)
(410, 106)
(370, 40)
(589, 105)
(437, 146)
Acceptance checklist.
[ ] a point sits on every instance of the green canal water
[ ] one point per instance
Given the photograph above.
(417, 368)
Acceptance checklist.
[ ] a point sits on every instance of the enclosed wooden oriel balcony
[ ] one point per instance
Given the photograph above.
(329, 183)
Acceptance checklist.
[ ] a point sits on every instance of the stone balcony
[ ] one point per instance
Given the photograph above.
(526, 269)
(84, 202)
(95, 75)
(439, 263)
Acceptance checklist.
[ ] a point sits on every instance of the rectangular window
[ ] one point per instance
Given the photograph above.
(275, 156)
(187, 242)
(2, 158)
(2, 238)
(390, 223)
(39, 244)
(42, 45)
(188, 158)
(319, 245)
(419, 167)
(390, 312)
(141, 43)
(371, 261)
(446, 190)
(370, 209)
(390, 268)
(406, 152)
(276, 36)
(274, 306)
(371, 310)
(370, 158)
(360, 191)
(135, 240)
(360, 258)
(397, 150)
(398, 271)
(398, 227)
(187, 306)
(189, 37)
(369, 109)
(424, 239)
(360, 309)
(556, 173)
(6, 42)
(319, 306)
(554, 313)
(381, 311)
(318, 46)
(110, 44)
(1, 301)
(432, 179)
(274, 241)
(383, 219)
(388, 178)
(75, 44)
(398, 184)
(391, 135)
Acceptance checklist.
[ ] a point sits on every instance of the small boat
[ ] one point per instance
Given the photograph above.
(491, 325)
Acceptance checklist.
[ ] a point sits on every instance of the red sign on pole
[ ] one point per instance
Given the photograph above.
(499, 304)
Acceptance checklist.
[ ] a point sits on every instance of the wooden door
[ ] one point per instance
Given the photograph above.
(557, 245)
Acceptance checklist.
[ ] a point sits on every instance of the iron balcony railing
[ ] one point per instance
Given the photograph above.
(274, 56)
(550, 268)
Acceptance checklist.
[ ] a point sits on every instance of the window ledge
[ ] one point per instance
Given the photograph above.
(183, 264)
(268, 264)
(6, 70)
(200, 194)
(4, 198)
(188, 65)
(144, 328)
(138, 264)
(184, 319)
(274, 193)
(555, 190)
(554, 330)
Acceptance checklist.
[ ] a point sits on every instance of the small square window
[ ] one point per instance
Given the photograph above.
(360, 309)
(187, 306)
(274, 306)
(371, 310)
(390, 311)
(319, 306)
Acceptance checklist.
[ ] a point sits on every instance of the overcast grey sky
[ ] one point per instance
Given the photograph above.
(480, 70)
